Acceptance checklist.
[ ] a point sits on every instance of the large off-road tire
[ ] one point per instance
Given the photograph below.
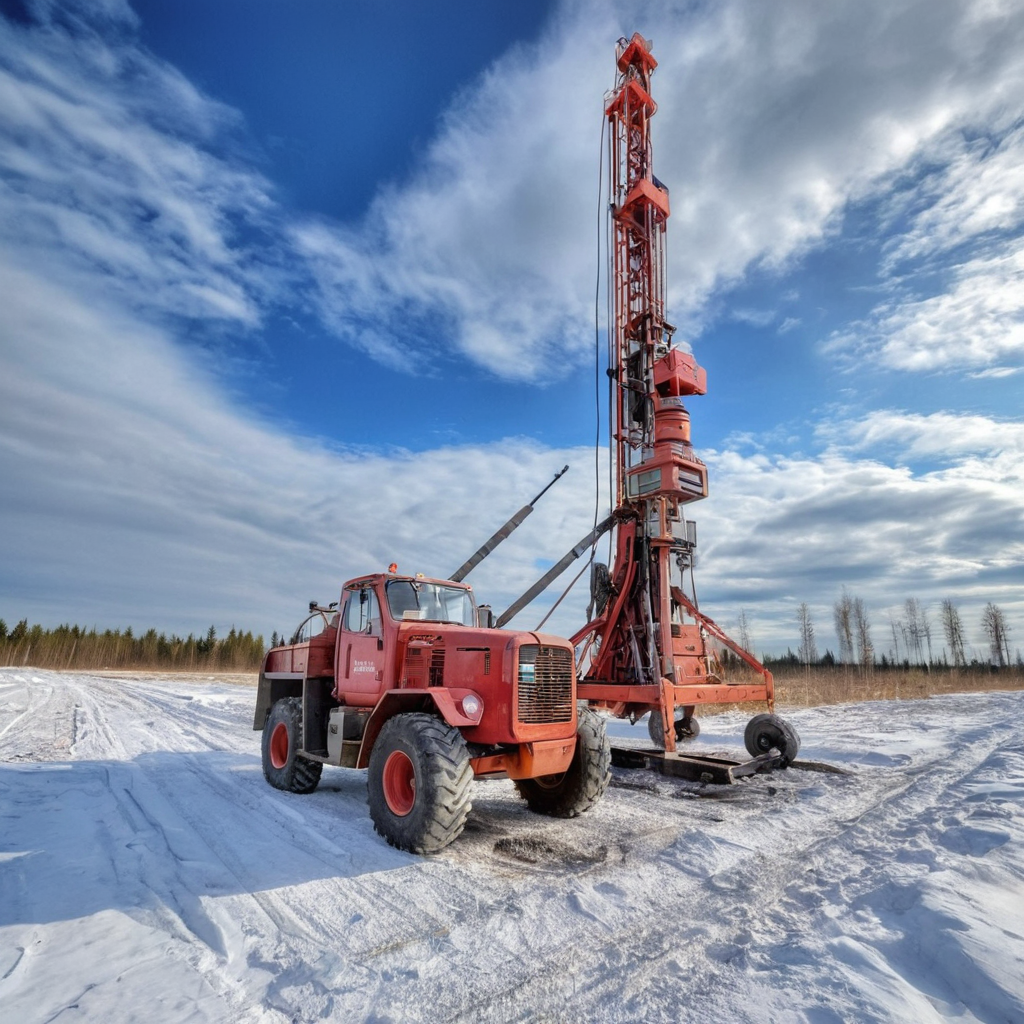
(765, 731)
(579, 787)
(419, 783)
(282, 737)
(686, 728)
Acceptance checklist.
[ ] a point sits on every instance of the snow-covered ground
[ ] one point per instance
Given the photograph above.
(147, 872)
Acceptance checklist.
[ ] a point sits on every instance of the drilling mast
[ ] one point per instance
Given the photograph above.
(648, 646)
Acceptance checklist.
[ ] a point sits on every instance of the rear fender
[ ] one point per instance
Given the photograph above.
(269, 692)
(441, 701)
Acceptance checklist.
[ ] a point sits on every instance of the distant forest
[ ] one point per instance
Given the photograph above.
(931, 641)
(68, 647)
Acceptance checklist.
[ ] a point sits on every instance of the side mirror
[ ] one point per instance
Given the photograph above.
(485, 616)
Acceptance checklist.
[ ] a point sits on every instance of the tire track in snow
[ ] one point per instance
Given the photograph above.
(597, 978)
(292, 939)
(695, 904)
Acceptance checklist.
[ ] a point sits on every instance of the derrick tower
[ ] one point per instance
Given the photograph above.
(647, 647)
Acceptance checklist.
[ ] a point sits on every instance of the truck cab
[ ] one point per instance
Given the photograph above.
(415, 656)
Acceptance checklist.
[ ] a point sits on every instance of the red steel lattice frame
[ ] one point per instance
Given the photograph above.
(649, 647)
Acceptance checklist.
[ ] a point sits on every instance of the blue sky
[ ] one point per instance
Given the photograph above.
(293, 291)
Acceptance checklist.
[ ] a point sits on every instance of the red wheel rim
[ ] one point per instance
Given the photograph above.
(279, 745)
(399, 783)
(549, 781)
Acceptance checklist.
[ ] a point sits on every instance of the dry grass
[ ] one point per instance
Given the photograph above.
(806, 688)
(234, 678)
(794, 688)
(810, 689)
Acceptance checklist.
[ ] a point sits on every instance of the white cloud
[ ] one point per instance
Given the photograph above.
(135, 492)
(945, 436)
(955, 268)
(107, 162)
(753, 317)
(976, 321)
(974, 189)
(771, 119)
(777, 531)
(996, 373)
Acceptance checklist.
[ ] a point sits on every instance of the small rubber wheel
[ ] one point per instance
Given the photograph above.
(583, 783)
(656, 728)
(687, 727)
(765, 732)
(283, 768)
(419, 783)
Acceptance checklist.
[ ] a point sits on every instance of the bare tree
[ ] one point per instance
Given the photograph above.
(743, 628)
(808, 648)
(953, 629)
(843, 618)
(897, 627)
(912, 610)
(926, 632)
(994, 624)
(865, 649)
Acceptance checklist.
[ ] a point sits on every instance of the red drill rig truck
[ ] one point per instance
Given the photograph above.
(409, 679)
(405, 676)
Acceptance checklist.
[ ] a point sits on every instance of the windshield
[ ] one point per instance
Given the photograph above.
(410, 599)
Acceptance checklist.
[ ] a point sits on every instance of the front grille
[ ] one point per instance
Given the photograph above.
(545, 685)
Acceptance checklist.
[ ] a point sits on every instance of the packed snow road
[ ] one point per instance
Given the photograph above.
(147, 871)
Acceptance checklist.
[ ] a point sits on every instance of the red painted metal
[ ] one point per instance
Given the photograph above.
(399, 783)
(279, 745)
(390, 665)
(642, 653)
(529, 760)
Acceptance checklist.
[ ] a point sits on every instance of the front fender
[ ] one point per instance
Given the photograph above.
(445, 702)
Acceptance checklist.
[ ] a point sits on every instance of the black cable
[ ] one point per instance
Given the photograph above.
(612, 344)
(597, 336)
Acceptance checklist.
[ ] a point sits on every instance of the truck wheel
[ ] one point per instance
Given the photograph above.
(766, 731)
(580, 787)
(282, 765)
(419, 783)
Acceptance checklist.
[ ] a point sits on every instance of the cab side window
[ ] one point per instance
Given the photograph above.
(312, 627)
(362, 613)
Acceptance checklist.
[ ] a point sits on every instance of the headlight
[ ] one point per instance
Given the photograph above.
(472, 705)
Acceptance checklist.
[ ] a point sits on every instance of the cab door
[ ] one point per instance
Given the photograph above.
(361, 649)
